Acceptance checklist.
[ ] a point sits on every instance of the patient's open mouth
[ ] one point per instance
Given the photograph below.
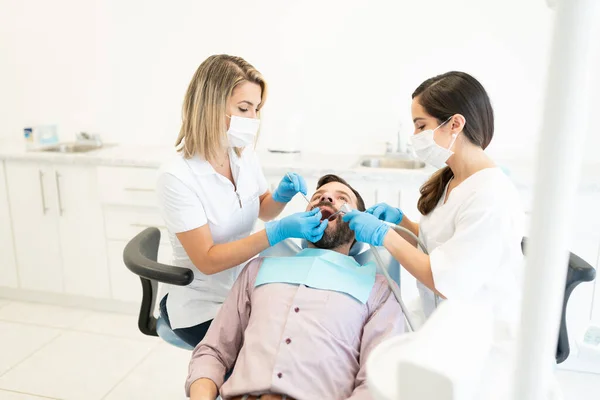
(325, 214)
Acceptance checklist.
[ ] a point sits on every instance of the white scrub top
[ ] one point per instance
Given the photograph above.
(474, 245)
(192, 194)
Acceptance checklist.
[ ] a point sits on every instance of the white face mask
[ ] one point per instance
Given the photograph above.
(428, 150)
(242, 131)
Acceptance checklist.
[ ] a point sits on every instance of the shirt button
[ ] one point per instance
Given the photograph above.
(279, 375)
(296, 309)
(288, 341)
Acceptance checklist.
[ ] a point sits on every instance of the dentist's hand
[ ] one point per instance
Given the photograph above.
(303, 225)
(366, 227)
(291, 184)
(385, 212)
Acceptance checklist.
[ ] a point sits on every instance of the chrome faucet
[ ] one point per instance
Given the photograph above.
(84, 137)
(401, 144)
(403, 147)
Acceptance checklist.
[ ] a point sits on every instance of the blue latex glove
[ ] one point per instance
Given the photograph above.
(303, 225)
(291, 184)
(366, 227)
(385, 212)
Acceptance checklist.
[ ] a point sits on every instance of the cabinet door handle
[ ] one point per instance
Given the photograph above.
(44, 208)
(56, 179)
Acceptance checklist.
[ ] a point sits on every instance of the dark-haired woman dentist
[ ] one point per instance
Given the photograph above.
(473, 222)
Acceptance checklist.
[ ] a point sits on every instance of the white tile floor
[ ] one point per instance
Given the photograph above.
(51, 352)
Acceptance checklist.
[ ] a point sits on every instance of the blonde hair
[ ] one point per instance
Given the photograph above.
(203, 128)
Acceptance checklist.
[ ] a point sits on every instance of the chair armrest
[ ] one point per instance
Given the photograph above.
(580, 270)
(140, 258)
(155, 271)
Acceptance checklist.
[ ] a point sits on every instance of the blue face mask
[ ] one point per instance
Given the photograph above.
(320, 269)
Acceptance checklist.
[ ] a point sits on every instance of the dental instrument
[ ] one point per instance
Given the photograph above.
(290, 178)
(345, 208)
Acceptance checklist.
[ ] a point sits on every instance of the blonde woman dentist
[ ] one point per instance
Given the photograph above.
(472, 223)
(212, 193)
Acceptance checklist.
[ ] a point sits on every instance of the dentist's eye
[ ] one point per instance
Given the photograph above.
(421, 127)
(242, 110)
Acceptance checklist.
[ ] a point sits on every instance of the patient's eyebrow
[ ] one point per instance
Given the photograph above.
(317, 193)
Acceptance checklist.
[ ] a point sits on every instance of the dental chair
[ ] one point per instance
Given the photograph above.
(140, 257)
(141, 252)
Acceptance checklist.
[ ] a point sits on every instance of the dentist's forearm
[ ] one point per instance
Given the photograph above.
(269, 208)
(227, 255)
(412, 259)
(411, 226)
(212, 258)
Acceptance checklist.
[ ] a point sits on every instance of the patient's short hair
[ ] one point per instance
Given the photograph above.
(334, 178)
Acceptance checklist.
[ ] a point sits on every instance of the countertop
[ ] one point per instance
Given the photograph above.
(309, 164)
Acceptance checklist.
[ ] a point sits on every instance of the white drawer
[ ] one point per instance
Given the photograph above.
(123, 223)
(124, 284)
(127, 186)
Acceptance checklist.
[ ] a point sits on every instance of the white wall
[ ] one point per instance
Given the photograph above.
(340, 70)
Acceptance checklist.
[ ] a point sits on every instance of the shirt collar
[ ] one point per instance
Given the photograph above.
(201, 167)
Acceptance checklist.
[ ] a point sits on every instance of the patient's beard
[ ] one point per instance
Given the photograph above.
(334, 238)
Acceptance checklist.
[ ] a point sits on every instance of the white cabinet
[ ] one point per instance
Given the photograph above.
(125, 285)
(81, 231)
(129, 205)
(128, 186)
(58, 228)
(34, 209)
(122, 224)
(8, 265)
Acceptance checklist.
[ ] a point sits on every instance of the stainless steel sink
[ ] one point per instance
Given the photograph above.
(73, 147)
(391, 162)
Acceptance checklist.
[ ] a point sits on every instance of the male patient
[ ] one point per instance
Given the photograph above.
(291, 331)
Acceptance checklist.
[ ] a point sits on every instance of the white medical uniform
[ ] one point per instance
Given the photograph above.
(474, 245)
(192, 194)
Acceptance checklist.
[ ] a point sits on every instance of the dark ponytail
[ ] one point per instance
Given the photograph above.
(432, 190)
(442, 97)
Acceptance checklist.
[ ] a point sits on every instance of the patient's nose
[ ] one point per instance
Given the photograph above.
(326, 197)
